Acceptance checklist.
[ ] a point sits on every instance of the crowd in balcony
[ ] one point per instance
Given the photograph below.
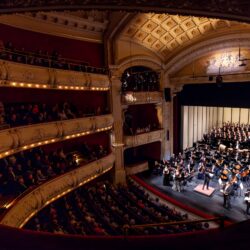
(146, 80)
(20, 114)
(45, 59)
(27, 169)
(105, 209)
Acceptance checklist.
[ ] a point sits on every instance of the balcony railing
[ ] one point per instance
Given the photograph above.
(21, 138)
(31, 76)
(50, 61)
(141, 139)
(27, 205)
(130, 98)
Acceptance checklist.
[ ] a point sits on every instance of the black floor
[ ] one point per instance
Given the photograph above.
(212, 205)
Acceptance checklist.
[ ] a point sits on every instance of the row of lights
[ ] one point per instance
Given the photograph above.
(45, 86)
(82, 88)
(28, 85)
(37, 144)
(64, 193)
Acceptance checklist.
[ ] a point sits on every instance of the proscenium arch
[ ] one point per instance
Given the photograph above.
(201, 49)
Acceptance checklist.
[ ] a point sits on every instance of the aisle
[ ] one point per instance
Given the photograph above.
(212, 205)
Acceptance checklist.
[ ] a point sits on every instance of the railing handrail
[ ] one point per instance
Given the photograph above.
(221, 220)
(9, 204)
(49, 58)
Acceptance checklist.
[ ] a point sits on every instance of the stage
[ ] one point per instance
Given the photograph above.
(208, 201)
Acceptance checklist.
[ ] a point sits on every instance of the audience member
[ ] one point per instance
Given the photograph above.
(31, 168)
(55, 60)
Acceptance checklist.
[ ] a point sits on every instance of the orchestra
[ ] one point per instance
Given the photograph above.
(222, 155)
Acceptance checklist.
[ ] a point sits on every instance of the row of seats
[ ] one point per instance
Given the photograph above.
(20, 114)
(105, 209)
(28, 169)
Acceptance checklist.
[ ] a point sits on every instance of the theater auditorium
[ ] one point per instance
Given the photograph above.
(124, 124)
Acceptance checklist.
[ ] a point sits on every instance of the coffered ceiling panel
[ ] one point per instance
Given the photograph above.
(165, 33)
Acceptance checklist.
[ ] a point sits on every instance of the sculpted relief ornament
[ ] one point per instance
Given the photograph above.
(28, 76)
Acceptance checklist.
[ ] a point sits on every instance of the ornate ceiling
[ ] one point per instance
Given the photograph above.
(95, 21)
(81, 24)
(230, 9)
(164, 34)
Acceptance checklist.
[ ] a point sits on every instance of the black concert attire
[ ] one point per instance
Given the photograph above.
(227, 192)
(207, 179)
(247, 199)
(166, 177)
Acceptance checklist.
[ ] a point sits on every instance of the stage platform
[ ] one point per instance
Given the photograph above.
(205, 191)
(211, 205)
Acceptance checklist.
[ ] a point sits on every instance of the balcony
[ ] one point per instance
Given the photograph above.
(136, 168)
(21, 138)
(141, 139)
(30, 76)
(27, 205)
(133, 98)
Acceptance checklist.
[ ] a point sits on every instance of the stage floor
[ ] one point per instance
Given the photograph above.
(212, 205)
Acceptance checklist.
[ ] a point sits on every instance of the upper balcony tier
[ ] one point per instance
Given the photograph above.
(30, 76)
(21, 138)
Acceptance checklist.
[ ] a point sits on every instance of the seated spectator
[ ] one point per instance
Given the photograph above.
(21, 187)
(31, 168)
(39, 177)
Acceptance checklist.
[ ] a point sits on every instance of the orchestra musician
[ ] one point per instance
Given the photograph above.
(224, 175)
(228, 189)
(166, 176)
(247, 199)
(177, 179)
(208, 175)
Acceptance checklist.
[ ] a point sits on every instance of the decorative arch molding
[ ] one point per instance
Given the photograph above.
(198, 50)
(146, 61)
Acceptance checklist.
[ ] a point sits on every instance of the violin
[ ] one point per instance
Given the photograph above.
(245, 172)
(224, 174)
(237, 168)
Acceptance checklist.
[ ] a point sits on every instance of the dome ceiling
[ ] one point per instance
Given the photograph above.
(164, 34)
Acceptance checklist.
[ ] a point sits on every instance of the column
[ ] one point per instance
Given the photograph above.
(117, 143)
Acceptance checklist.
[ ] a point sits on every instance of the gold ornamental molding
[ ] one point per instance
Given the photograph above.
(26, 206)
(196, 51)
(165, 34)
(234, 77)
(29, 76)
(76, 25)
(134, 98)
(231, 9)
(136, 168)
(142, 139)
(17, 139)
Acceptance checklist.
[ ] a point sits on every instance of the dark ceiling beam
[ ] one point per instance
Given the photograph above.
(228, 9)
